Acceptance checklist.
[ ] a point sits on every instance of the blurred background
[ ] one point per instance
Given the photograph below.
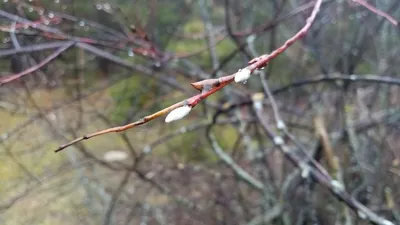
(71, 67)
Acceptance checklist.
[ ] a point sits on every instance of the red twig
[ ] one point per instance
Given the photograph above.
(208, 86)
(378, 12)
(193, 101)
(36, 67)
(262, 61)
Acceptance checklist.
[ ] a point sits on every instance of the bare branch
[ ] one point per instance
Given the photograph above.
(51, 57)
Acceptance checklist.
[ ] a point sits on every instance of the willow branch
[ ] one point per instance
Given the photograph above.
(262, 61)
(208, 86)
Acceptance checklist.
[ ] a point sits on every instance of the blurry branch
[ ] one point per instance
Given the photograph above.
(143, 46)
(20, 164)
(189, 103)
(46, 184)
(209, 86)
(378, 12)
(145, 211)
(14, 38)
(338, 77)
(228, 24)
(272, 24)
(45, 112)
(280, 124)
(331, 158)
(183, 130)
(211, 42)
(33, 48)
(89, 23)
(117, 193)
(56, 132)
(386, 116)
(148, 178)
(55, 33)
(241, 173)
(191, 54)
(323, 135)
(395, 171)
(54, 55)
(123, 136)
(228, 58)
(324, 179)
(8, 204)
(272, 214)
(119, 61)
(263, 60)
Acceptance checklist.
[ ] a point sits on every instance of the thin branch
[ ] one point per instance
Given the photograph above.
(13, 77)
(33, 48)
(241, 173)
(213, 85)
(263, 60)
(114, 199)
(334, 77)
(325, 180)
(378, 12)
(272, 214)
(192, 102)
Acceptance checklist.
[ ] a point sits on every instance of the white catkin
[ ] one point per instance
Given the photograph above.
(280, 125)
(278, 140)
(242, 75)
(258, 105)
(305, 172)
(337, 186)
(178, 113)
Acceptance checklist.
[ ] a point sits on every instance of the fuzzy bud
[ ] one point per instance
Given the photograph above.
(278, 140)
(178, 113)
(242, 75)
(280, 125)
